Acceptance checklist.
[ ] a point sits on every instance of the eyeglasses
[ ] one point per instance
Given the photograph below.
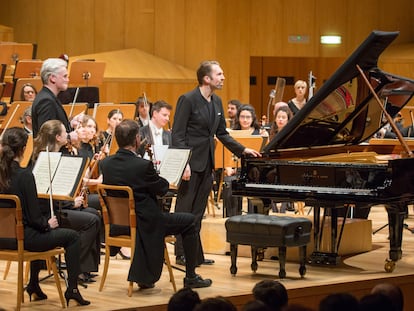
(245, 117)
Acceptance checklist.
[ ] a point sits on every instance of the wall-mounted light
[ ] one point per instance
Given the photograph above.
(331, 39)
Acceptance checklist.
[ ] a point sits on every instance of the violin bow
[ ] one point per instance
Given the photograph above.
(52, 212)
(73, 103)
(9, 121)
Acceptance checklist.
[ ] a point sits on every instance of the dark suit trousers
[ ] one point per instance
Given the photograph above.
(192, 198)
(87, 222)
(42, 241)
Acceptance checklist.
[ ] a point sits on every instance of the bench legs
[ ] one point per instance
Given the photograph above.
(282, 260)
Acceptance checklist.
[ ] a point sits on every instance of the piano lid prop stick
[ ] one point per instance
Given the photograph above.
(387, 116)
(52, 213)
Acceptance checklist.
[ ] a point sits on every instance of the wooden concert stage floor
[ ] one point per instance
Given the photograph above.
(357, 274)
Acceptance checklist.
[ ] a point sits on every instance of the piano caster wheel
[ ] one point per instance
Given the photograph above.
(389, 265)
(282, 274)
(254, 266)
(233, 270)
(302, 271)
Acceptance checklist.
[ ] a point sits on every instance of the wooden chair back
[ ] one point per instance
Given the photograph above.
(14, 114)
(12, 247)
(101, 110)
(75, 109)
(19, 83)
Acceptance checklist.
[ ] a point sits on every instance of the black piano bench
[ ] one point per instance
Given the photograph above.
(261, 231)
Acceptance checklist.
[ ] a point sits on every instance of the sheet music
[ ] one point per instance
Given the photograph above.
(66, 175)
(41, 170)
(173, 165)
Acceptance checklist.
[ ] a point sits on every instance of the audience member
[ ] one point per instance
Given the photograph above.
(272, 293)
(376, 302)
(339, 302)
(393, 292)
(215, 304)
(28, 92)
(185, 299)
(255, 305)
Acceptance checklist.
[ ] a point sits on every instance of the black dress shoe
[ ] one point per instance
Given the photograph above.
(83, 278)
(180, 260)
(146, 286)
(208, 262)
(197, 282)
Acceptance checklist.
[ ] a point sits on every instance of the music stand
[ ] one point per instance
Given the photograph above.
(11, 52)
(86, 73)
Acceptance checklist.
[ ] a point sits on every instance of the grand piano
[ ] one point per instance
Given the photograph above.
(321, 156)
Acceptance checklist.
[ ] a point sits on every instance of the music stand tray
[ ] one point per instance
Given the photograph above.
(86, 73)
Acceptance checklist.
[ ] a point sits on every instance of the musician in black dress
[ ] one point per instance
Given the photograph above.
(41, 230)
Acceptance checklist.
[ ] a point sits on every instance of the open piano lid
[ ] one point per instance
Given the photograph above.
(343, 111)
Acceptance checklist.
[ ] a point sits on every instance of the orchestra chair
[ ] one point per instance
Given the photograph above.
(14, 114)
(120, 210)
(75, 109)
(18, 85)
(101, 110)
(12, 231)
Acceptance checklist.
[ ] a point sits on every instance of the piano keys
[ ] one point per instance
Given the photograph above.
(322, 156)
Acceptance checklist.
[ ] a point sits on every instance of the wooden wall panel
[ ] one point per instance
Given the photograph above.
(169, 29)
(79, 28)
(332, 19)
(25, 12)
(201, 27)
(298, 18)
(139, 25)
(265, 26)
(233, 48)
(109, 25)
(51, 36)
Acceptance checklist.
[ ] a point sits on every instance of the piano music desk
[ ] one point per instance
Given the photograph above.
(356, 238)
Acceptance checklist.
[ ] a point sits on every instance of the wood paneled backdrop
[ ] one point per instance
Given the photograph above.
(186, 32)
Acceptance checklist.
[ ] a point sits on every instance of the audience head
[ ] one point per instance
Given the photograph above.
(246, 118)
(54, 74)
(183, 300)
(115, 117)
(160, 113)
(28, 92)
(206, 70)
(13, 143)
(376, 302)
(52, 135)
(393, 292)
(215, 304)
(339, 302)
(272, 293)
(126, 134)
(255, 305)
(232, 107)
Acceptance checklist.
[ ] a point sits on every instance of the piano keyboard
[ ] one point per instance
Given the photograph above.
(320, 190)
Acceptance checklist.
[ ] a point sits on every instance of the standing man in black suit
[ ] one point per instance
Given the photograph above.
(46, 106)
(199, 117)
(128, 169)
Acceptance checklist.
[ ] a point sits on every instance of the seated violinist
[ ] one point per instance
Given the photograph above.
(84, 220)
(115, 117)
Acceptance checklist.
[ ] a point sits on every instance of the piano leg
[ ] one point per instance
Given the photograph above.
(233, 254)
(319, 257)
(396, 213)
